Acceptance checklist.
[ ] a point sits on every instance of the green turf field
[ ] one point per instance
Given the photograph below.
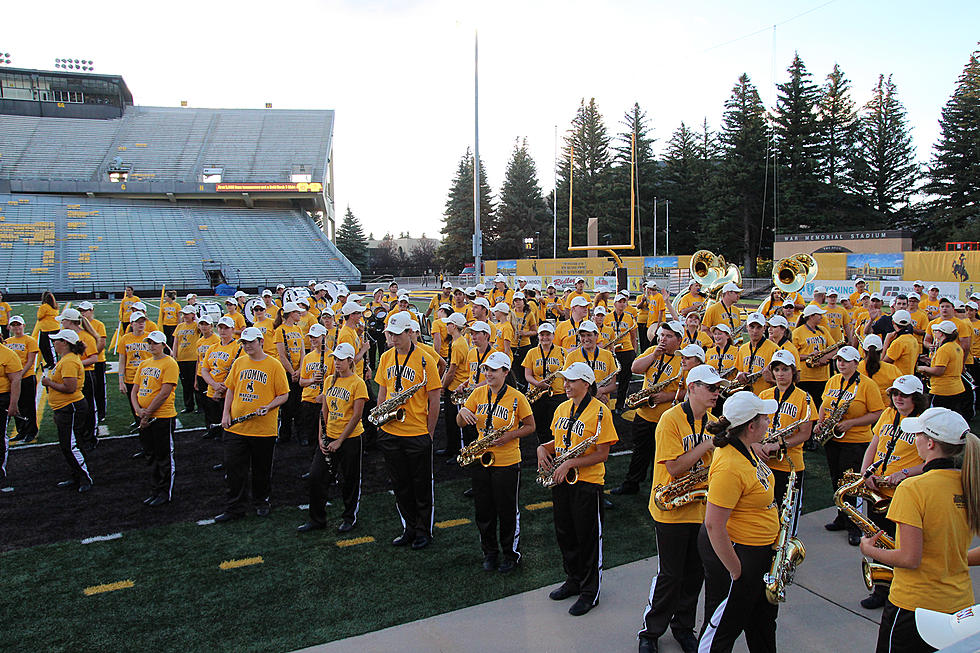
(305, 590)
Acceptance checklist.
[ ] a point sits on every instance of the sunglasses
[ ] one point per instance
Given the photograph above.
(899, 393)
(714, 387)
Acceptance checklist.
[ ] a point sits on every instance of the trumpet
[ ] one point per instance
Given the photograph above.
(643, 396)
(479, 449)
(682, 490)
(811, 360)
(873, 572)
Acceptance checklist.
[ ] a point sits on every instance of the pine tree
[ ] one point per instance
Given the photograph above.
(954, 173)
(885, 169)
(683, 186)
(645, 182)
(522, 211)
(457, 230)
(837, 121)
(351, 241)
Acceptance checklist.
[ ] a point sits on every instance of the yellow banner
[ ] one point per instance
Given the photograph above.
(963, 267)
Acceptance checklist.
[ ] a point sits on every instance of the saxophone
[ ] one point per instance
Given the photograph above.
(873, 572)
(534, 393)
(682, 490)
(612, 377)
(612, 344)
(811, 360)
(641, 397)
(546, 477)
(737, 386)
(393, 407)
(825, 430)
(462, 393)
(879, 502)
(479, 449)
(790, 551)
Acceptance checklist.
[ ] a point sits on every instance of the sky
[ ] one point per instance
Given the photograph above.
(400, 74)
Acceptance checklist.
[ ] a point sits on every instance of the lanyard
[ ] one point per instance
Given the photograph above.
(619, 321)
(722, 353)
(573, 416)
(399, 368)
(889, 450)
(479, 362)
(752, 352)
(844, 388)
(492, 406)
(690, 420)
(780, 400)
(661, 366)
(544, 360)
(594, 360)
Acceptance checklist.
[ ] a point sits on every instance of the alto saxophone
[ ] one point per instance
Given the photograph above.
(825, 430)
(612, 344)
(393, 407)
(534, 393)
(874, 572)
(737, 386)
(479, 449)
(462, 393)
(811, 360)
(637, 398)
(790, 551)
(879, 502)
(546, 477)
(682, 491)
(612, 377)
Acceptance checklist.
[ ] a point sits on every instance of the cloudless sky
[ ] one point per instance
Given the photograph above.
(400, 74)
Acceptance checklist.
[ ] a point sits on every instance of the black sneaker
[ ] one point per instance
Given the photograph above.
(854, 538)
(507, 566)
(688, 642)
(565, 591)
(310, 526)
(625, 489)
(345, 527)
(581, 606)
(490, 563)
(873, 601)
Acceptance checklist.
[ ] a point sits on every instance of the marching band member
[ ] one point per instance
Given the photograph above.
(901, 346)
(480, 334)
(503, 331)
(11, 369)
(837, 319)
(754, 355)
(938, 513)
(290, 345)
(682, 448)
(407, 445)
(773, 303)
(881, 372)
(524, 320)
(271, 308)
(793, 405)
(312, 373)
(457, 373)
(427, 348)
(185, 337)
(500, 292)
(657, 364)
(693, 300)
(782, 336)
(440, 340)
(725, 311)
(741, 522)
(480, 311)
(809, 338)
(306, 318)
(153, 402)
(495, 486)
(693, 335)
(26, 349)
(541, 362)
(819, 296)
(257, 385)
(267, 326)
(87, 309)
(622, 321)
(64, 385)
(445, 297)
(47, 326)
(642, 307)
(328, 320)
(930, 303)
(231, 310)
(169, 315)
(964, 331)
(946, 369)
(578, 507)
(140, 307)
(601, 299)
(971, 311)
(352, 312)
(602, 361)
(723, 356)
(4, 317)
(566, 332)
(551, 307)
(208, 337)
(788, 311)
(132, 350)
(860, 287)
(217, 362)
(853, 433)
(891, 457)
(72, 319)
(919, 318)
(126, 304)
(578, 291)
(340, 445)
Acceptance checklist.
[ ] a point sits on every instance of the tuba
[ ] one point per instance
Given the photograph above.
(792, 273)
(705, 267)
(790, 551)
(875, 573)
(682, 490)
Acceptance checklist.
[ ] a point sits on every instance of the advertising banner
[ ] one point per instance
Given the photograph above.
(875, 266)
(658, 266)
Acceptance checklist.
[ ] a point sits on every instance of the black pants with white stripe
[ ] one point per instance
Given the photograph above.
(187, 374)
(624, 377)
(245, 453)
(780, 482)
(408, 459)
(495, 491)
(544, 411)
(70, 420)
(346, 463)
(644, 450)
(737, 606)
(674, 592)
(898, 632)
(47, 349)
(578, 513)
(98, 376)
(158, 443)
(289, 411)
(92, 417)
(307, 421)
(27, 420)
(4, 447)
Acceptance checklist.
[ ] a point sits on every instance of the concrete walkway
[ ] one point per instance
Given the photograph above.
(822, 612)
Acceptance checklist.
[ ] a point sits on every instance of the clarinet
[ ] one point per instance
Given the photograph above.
(323, 421)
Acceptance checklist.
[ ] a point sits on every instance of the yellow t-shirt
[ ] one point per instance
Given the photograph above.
(807, 342)
(602, 362)
(126, 307)
(753, 358)
(919, 321)
(617, 325)
(550, 309)
(523, 322)
(722, 359)
(45, 318)
(718, 314)
(459, 352)
(690, 300)
(798, 407)
(512, 401)
(91, 348)
(4, 313)
(254, 384)
(10, 363)
(185, 342)
(99, 328)
(903, 456)
(474, 361)
(949, 355)
(746, 488)
(904, 351)
(930, 306)
(663, 368)
(311, 365)
(595, 418)
(203, 344)
(566, 334)
(69, 367)
(677, 433)
(169, 312)
(219, 359)
(438, 326)
(886, 375)
(151, 375)
(268, 329)
(292, 338)
(502, 332)
(963, 330)
(553, 360)
(414, 367)
(866, 399)
(975, 340)
(351, 337)
(340, 395)
(137, 350)
(23, 346)
(656, 309)
(835, 319)
(700, 338)
(934, 503)
(497, 295)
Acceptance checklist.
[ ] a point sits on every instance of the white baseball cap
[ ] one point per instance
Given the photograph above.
(600, 310)
(447, 285)
(907, 384)
(778, 321)
(327, 311)
(731, 286)
(497, 360)
(316, 330)
(403, 297)
(721, 326)
(651, 284)
(918, 282)
(848, 354)
(872, 340)
(933, 287)
(940, 424)
(480, 287)
(320, 286)
(622, 295)
(267, 293)
(136, 315)
(863, 295)
(226, 321)
(579, 301)
(674, 326)
(158, 336)
(902, 317)
(17, 318)
(189, 310)
(352, 307)
(470, 291)
(501, 308)
(745, 406)
(205, 319)
(820, 290)
(399, 322)
(240, 294)
(972, 304)
(343, 350)
(519, 295)
(457, 319)
(945, 326)
(756, 318)
(831, 292)
(342, 290)
(784, 357)
(70, 314)
(280, 287)
(231, 300)
(85, 306)
(546, 326)
(482, 301)
(189, 297)
(139, 306)
(975, 295)
(914, 296)
(876, 297)
(692, 282)
(500, 277)
(579, 279)
(859, 280)
(479, 325)
(703, 374)
(588, 325)
(290, 307)
(812, 309)
(578, 371)
(65, 334)
(939, 630)
(693, 351)
(789, 303)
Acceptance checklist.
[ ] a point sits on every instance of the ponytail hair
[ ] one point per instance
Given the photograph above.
(872, 361)
(76, 347)
(723, 431)
(970, 478)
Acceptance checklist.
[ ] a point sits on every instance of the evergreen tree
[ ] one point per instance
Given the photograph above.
(351, 241)
(737, 205)
(683, 186)
(837, 121)
(645, 182)
(522, 211)
(885, 169)
(457, 229)
(954, 173)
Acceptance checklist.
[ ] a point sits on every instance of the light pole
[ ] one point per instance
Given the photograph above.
(537, 243)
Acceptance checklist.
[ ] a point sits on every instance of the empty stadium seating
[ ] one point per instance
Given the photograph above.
(85, 245)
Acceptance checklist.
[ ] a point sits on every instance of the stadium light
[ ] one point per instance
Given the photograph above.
(5, 58)
(85, 65)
